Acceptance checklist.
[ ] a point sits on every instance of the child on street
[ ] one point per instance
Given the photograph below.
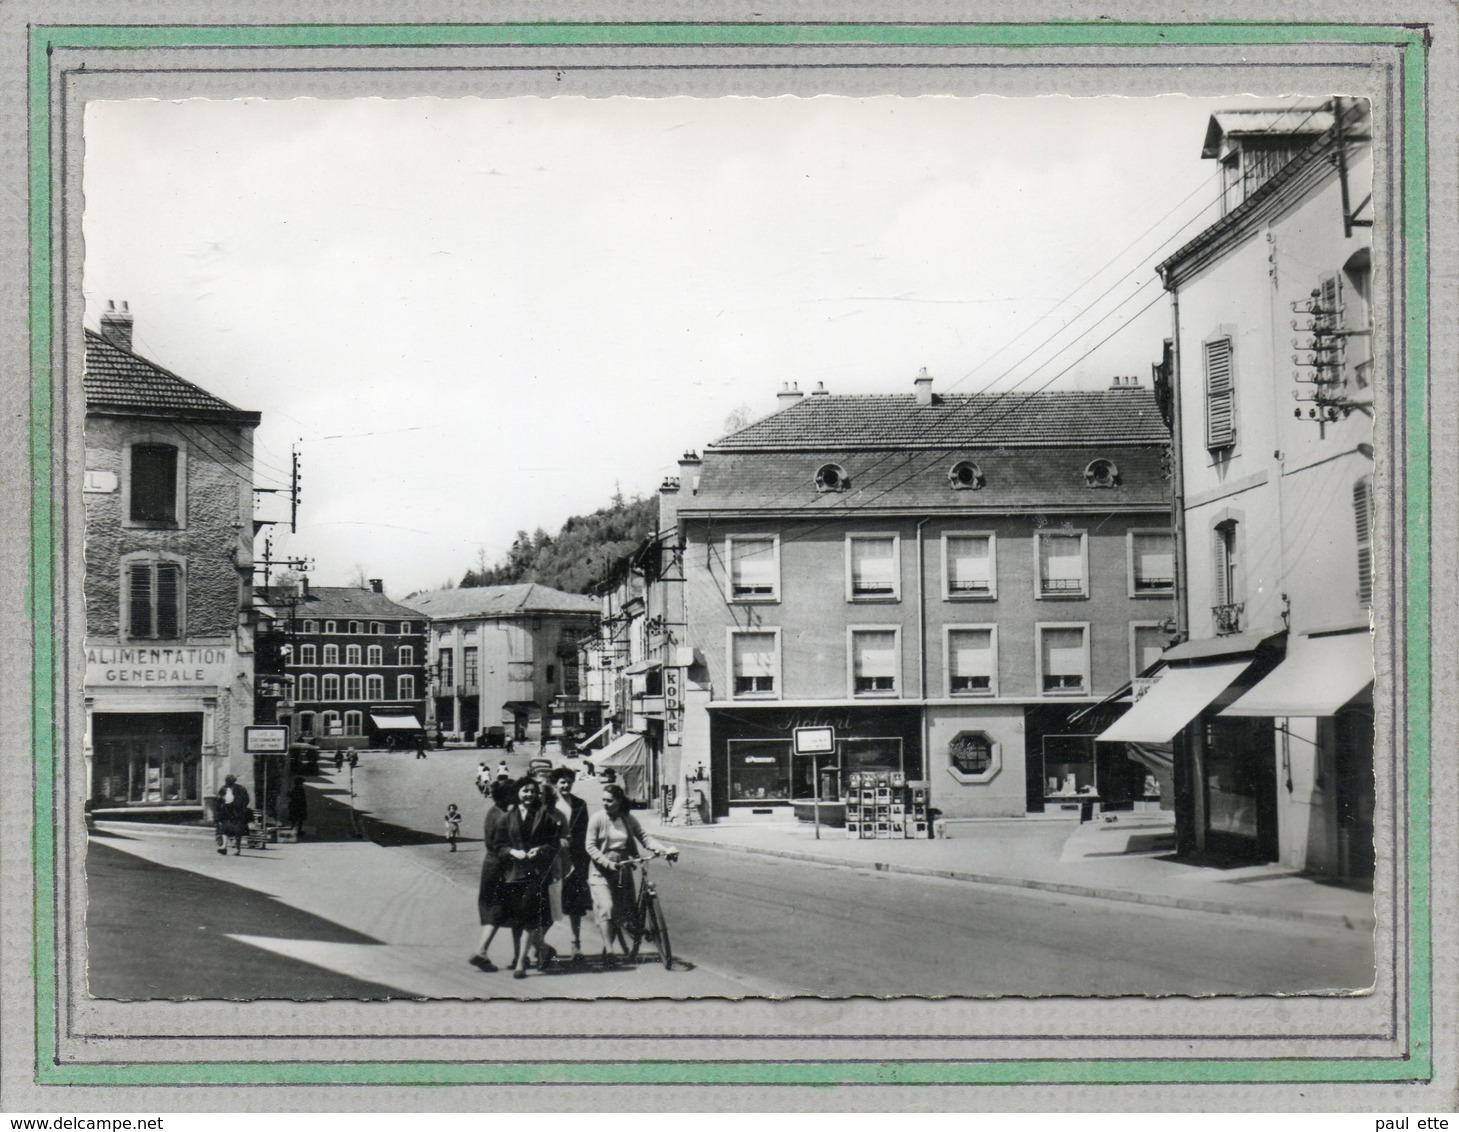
(453, 825)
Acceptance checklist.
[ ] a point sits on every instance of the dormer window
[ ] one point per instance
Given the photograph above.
(1101, 473)
(965, 476)
(832, 477)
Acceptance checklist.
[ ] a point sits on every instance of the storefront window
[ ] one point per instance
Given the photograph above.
(759, 770)
(1068, 765)
(146, 759)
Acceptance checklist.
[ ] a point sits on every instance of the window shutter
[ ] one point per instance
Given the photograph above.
(1154, 561)
(1219, 567)
(139, 597)
(972, 652)
(1220, 395)
(755, 654)
(1064, 652)
(1363, 518)
(154, 482)
(968, 565)
(872, 566)
(875, 654)
(752, 566)
(169, 599)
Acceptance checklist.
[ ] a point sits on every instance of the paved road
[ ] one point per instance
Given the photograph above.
(790, 927)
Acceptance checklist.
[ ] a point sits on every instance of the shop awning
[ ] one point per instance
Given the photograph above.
(627, 750)
(643, 666)
(1177, 698)
(395, 722)
(595, 736)
(1318, 676)
(519, 705)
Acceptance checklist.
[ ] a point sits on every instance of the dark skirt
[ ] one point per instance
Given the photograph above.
(233, 824)
(524, 905)
(576, 899)
(489, 908)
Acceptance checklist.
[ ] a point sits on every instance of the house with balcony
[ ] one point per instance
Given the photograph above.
(944, 580)
(503, 655)
(1266, 707)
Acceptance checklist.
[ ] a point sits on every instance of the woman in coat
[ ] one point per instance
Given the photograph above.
(528, 843)
(614, 836)
(233, 816)
(577, 901)
(489, 909)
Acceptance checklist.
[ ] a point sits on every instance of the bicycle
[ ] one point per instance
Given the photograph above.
(647, 922)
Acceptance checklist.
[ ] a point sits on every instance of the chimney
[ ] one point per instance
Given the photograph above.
(304, 586)
(1130, 382)
(689, 465)
(377, 585)
(923, 382)
(820, 390)
(116, 326)
(789, 394)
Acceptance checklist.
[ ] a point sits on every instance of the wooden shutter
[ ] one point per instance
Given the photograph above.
(169, 600)
(1220, 395)
(139, 597)
(1220, 565)
(1363, 518)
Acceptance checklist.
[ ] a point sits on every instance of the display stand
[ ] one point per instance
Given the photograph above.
(883, 805)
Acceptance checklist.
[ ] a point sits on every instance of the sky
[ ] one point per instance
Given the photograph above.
(476, 316)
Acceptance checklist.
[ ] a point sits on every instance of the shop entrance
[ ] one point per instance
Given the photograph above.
(146, 759)
(1354, 764)
(1241, 788)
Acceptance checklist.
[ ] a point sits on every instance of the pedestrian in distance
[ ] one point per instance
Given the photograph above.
(483, 779)
(502, 771)
(453, 825)
(528, 839)
(298, 806)
(576, 899)
(614, 836)
(354, 759)
(233, 816)
(338, 759)
(420, 748)
(491, 911)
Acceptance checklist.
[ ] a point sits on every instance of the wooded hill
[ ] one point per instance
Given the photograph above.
(584, 551)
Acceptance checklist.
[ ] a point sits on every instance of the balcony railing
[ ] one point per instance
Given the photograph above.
(1228, 618)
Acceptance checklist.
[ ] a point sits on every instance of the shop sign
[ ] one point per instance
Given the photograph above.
(815, 740)
(673, 705)
(171, 666)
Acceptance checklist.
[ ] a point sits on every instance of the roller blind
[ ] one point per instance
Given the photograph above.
(873, 566)
(875, 654)
(754, 654)
(969, 564)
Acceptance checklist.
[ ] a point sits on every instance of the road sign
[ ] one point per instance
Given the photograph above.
(266, 739)
(815, 740)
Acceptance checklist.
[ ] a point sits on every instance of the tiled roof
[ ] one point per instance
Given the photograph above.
(915, 480)
(499, 601)
(350, 601)
(118, 379)
(1110, 416)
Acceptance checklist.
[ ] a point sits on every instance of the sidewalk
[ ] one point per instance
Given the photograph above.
(1131, 859)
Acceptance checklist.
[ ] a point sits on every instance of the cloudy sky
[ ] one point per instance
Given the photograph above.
(474, 316)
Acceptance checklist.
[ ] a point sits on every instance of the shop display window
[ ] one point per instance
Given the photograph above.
(759, 770)
(146, 759)
(1069, 768)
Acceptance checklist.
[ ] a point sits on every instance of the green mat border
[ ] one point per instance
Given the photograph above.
(1412, 44)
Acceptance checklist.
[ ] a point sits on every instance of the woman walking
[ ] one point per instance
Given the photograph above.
(233, 816)
(528, 837)
(490, 910)
(577, 901)
(614, 836)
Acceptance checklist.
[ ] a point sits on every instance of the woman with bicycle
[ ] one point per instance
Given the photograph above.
(615, 837)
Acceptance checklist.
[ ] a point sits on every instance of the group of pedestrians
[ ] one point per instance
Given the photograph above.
(548, 860)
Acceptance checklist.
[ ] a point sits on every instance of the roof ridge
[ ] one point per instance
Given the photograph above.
(103, 340)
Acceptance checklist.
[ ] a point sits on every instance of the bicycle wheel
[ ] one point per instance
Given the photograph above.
(659, 930)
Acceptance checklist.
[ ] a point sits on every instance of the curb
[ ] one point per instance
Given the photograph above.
(1161, 900)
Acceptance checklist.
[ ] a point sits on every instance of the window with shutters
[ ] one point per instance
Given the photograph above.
(1357, 320)
(873, 570)
(1152, 563)
(309, 687)
(1229, 605)
(374, 687)
(972, 660)
(405, 687)
(969, 566)
(354, 627)
(875, 660)
(329, 687)
(1063, 657)
(374, 655)
(352, 654)
(310, 627)
(153, 482)
(354, 687)
(754, 567)
(331, 654)
(1363, 522)
(154, 599)
(1062, 564)
(329, 723)
(754, 662)
(376, 628)
(329, 627)
(1147, 642)
(1220, 394)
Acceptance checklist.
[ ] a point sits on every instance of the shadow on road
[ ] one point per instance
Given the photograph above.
(155, 932)
(331, 818)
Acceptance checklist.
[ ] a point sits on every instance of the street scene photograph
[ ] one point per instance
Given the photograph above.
(731, 548)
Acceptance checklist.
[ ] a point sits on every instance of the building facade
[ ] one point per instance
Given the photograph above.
(1276, 370)
(943, 580)
(355, 666)
(503, 655)
(168, 492)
